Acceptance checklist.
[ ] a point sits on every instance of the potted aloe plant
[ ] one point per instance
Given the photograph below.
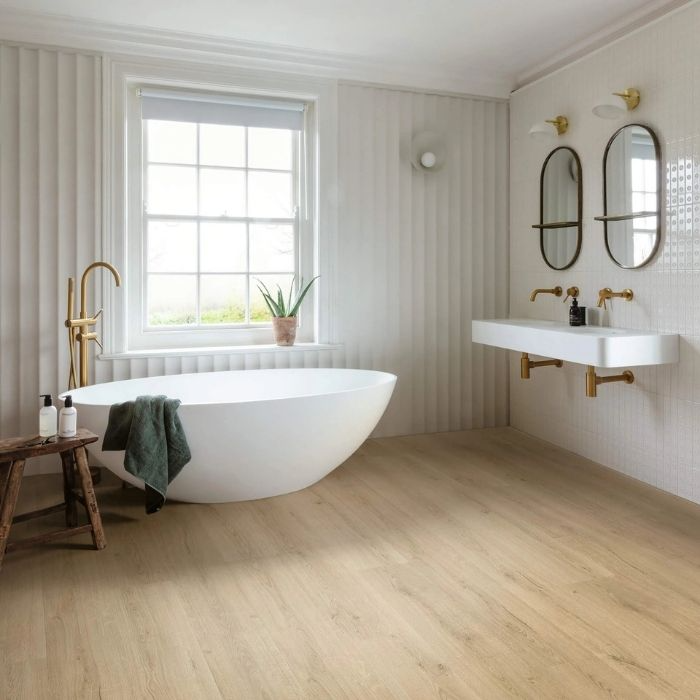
(284, 311)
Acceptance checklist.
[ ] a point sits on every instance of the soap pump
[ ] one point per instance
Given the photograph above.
(48, 418)
(577, 314)
(67, 419)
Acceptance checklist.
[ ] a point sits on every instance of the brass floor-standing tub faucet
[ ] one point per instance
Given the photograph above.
(79, 328)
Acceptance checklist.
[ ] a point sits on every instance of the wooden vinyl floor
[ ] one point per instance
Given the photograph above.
(483, 564)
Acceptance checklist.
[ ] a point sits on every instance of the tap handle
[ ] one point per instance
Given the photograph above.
(572, 292)
(97, 315)
(97, 340)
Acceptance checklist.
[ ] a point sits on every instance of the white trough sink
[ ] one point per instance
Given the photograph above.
(587, 345)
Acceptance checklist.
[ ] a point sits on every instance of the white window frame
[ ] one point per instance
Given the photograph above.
(124, 331)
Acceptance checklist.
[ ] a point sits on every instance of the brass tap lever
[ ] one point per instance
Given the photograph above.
(574, 292)
(89, 336)
(557, 291)
(607, 293)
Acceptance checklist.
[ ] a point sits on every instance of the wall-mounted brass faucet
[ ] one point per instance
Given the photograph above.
(79, 328)
(607, 293)
(557, 291)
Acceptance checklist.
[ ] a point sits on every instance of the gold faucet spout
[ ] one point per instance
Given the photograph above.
(556, 291)
(607, 293)
(84, 280)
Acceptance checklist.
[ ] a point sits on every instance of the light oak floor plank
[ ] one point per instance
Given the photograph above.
(480, 564)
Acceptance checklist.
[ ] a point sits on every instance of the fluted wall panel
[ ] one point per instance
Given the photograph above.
(421, 254)
(49, 209)
(418, 255)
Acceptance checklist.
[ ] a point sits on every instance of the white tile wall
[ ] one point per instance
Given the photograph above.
(650, 430)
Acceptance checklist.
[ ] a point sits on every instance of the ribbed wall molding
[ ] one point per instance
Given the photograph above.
(419, 254)
(49, 212)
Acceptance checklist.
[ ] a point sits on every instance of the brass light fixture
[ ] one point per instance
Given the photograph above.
(617, 104)
(548, 130)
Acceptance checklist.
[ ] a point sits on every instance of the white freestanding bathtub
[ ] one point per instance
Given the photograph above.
(252, 433)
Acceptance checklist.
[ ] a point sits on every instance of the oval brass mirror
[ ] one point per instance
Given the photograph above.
(632, 196)
(560, 208)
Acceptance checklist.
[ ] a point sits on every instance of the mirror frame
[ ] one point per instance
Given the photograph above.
(579, 208)
(604, 218)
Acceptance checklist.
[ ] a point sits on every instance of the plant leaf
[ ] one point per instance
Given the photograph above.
(291, 288)
(280, 301)
(267, 300)
(294, 310)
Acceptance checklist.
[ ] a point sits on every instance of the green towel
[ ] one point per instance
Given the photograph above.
(150, 432)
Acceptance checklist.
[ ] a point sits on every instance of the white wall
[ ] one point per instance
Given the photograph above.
(418, 254)
(647, 430)
(49, 213)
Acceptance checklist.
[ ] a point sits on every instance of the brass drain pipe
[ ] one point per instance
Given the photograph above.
(593, 380)
(526, 364)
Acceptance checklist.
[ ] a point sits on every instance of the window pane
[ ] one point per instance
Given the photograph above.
(637, 201)
(258, 309)
(172, 246)
(222, 298)
(172, 190)
(269, 194)
(270, 148)
(172, 300)
(172, 142)
(222, 145)
(223, 247)
(222, 192)
(271, 248)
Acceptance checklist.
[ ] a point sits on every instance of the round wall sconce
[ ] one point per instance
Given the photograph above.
(427, 152)
(548, 130)
(617, 104)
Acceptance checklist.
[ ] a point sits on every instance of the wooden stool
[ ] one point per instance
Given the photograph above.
(13, 454)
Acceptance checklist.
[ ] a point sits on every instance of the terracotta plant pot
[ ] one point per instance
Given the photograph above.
(285, 328)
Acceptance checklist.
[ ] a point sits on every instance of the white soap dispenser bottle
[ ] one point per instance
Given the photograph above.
(48, 418)
(67, 419)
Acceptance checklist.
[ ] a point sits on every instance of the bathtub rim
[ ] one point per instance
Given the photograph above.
(385, 378)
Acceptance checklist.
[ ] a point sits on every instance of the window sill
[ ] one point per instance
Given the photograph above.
(224, 350)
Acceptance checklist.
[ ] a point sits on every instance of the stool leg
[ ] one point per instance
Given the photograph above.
(68, 486)
(10, 480)
(98, 535)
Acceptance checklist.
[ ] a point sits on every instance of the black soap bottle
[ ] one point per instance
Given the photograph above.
(577, 314)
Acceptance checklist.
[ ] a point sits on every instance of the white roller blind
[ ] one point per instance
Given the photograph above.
(173, 105)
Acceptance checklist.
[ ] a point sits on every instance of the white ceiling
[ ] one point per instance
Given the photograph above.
(501, 41)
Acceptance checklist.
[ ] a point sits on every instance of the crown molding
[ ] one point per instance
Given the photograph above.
(634, 21)
(21, 26)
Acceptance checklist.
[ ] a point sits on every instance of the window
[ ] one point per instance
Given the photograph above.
(223, 208)
(644, 197)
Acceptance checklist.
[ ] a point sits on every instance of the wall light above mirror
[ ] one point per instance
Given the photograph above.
(616, 104)
(549, 130)
(561, 205)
